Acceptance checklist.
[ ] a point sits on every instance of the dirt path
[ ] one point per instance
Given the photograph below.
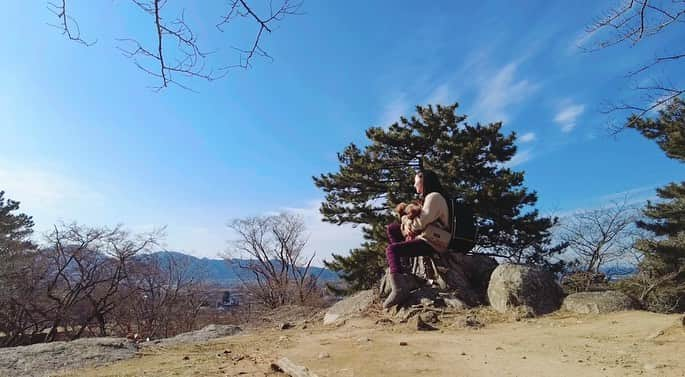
(621, 344)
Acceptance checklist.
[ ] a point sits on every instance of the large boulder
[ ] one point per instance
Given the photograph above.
(514, 288)
(598, 302)
(349, 307)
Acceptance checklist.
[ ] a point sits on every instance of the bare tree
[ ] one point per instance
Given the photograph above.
(667, 289)
(164, 294)
(602, 236)
(273, 246)
(186, 58)
(85, 268)
(22, 301)
(85, 280)
(632, 22)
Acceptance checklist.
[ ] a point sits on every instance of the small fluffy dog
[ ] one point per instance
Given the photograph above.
(406, 213)
(411, 210)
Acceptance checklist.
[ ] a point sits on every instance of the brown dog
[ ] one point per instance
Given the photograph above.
(411, 210)
(406, 213)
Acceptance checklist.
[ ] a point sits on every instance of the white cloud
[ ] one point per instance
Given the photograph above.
(527, 137)
(580, 41)
(326, 238)
(567, 116)
(398, 106)
(44, 189)
(519, 158)
(499, 92)
(50, 196)
(635, 196)
(440, 96)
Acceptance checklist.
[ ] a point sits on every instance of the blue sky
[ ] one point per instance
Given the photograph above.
(85, 139)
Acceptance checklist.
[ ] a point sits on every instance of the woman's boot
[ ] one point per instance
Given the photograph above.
(400, 291)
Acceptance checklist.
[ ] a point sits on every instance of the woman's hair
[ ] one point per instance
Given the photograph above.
(431, 183)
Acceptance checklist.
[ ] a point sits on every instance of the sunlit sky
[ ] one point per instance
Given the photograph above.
(85, 139)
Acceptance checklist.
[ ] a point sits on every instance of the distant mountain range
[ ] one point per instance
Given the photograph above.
(619, 272)
(228, 272)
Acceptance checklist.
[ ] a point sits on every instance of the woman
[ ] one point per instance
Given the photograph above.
(434, 211)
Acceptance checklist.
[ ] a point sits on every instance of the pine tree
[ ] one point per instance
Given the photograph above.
(15, 261)
(15, 229)
(471, 163)
(660, 282)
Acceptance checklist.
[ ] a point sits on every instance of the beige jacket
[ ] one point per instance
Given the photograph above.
(434, 209)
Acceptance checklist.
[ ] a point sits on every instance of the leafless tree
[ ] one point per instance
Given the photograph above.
(164, 294)
(631, 22)
(95, 281)
(84, 269)
(176, 52)
(22, 301)
(273, 246)
(648, 282)
(602, 236)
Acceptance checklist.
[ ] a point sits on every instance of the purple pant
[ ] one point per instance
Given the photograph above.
(399, 248)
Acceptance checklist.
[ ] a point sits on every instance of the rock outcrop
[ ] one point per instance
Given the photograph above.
(456, 280)
(349, 307)
(206, 333)
(45, 359)
(598, 302)
(527, 289)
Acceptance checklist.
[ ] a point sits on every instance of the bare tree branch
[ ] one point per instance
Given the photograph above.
(657, 60)
(239, 8)
(655, 97)
(176, 53)
(191, 63)
(631, 22)
(67, 24)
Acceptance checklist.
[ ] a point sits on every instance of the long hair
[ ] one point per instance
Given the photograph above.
(431, 183)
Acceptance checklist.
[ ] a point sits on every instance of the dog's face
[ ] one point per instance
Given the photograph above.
(412, 210)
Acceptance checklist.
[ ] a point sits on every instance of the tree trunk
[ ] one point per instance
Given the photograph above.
(103, 324)
(53, 331)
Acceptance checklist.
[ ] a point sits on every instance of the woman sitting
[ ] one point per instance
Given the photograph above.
(434, 212)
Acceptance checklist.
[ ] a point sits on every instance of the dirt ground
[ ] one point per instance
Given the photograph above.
(562, 344)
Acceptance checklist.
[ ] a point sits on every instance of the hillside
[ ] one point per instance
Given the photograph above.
(226, 273)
